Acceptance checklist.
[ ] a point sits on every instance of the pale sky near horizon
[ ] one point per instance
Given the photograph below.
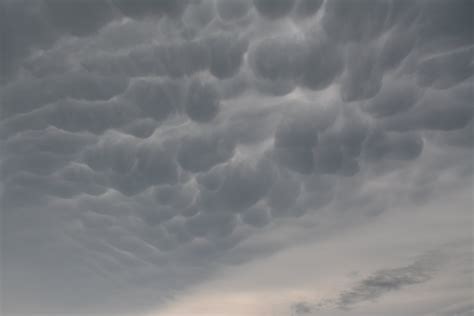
(236, 158)
(316, 271)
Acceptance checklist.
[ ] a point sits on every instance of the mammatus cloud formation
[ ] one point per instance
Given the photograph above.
(148, 146)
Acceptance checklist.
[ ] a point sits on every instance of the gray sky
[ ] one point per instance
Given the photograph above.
(236, 157)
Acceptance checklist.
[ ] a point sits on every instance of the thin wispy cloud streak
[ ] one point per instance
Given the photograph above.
(376, 285)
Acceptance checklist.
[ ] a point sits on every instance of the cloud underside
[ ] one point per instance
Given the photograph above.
(144, 141)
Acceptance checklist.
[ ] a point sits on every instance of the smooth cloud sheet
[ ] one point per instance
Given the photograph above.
(152, 148)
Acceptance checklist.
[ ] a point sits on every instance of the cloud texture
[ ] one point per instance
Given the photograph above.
(146, 144)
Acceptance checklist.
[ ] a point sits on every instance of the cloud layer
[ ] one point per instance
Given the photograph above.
(146, 143)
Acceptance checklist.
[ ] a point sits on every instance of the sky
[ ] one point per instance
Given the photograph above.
(236, 158)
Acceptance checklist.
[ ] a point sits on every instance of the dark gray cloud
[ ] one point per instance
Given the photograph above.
(146, 8)
(385, 281)
(233, 9)
(143, 142)
(202, 102)
(256, 216)
(18, 97)
(156, 100)
(306, 8)
(446, 70)
(297, 136)
(446, 24)
(356, 21)
(26, 27)
(363, 77)
(202, 153)
(435, 111)
(79, 18)
(244, 184)
(176, 60)
(394, 97)
(279, 58)
(323, 64)
(226, 53)
(301, 308)
(273, 9)
(398, 146)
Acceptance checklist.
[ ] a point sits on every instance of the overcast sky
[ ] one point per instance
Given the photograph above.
(237, 157)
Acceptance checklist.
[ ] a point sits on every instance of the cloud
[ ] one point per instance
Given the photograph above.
(156, 100)
(364, 20)
(130, 167)
(226, 54)
(301, 308)
(279, 58)
(443, 22)
(394, 97)
(431, 113)
(382, 145)
(150, 144)
(18, 96)
(244, 184)
(323, 64)
(385, 281)
(175, 60)
(273, 9)
(256, 216)
(295, 138)
(233, 9)
(202, 153)
(446, 70)
(462, 309)
(22, 32)
(28, 28)
(146, 8)
(362, 79)
(376, 285)
(202, 103)
(307, 8)
(70, 16)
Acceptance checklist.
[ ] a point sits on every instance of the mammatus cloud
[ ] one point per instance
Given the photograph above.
(146, 144)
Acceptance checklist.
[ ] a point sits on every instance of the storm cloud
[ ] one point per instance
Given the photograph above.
(148, 145)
